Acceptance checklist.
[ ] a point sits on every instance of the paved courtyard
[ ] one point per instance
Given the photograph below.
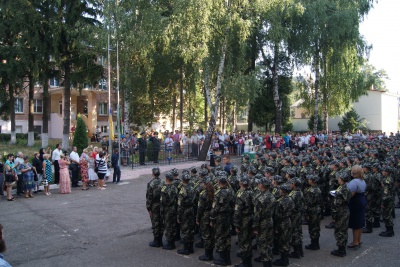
(112, 228)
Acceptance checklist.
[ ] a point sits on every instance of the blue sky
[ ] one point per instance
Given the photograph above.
(381, 28)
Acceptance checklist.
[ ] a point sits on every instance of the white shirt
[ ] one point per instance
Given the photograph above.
(56, 154)
(194, 139)
(169, 142)
(74, 157)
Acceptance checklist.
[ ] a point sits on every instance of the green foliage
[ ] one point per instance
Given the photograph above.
(351, 122)
(310, 123)
(288, 127)
(80, 136)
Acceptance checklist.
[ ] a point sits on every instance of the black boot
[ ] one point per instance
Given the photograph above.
(314, 245)
(267, 264)
(296, 252)
(190, 247)
(368, 228)
(208, 255)
(283, 261)
(376, 223)
(170, 245)
(157, 242)
(221, 260)
(246, 262)
(301, 250)
(200, 244)
(227, 254)
(186, 249)
(388, 233)
(340, 252)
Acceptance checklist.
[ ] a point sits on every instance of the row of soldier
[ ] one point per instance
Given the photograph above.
(268, 198)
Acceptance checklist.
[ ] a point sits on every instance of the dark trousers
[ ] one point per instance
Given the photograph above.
(195, 150)
(56, 172)
(20, 184)
(141, 157)
(155, 155)
(116, 174)
(75, 174)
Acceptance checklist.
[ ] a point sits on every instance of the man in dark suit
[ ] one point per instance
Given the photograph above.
(115, 165)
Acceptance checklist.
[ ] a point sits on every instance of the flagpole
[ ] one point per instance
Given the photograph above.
(109, 95)
(118, 107)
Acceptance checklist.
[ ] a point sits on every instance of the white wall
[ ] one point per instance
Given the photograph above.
(390, 113)
(300, 125)
(56, 126)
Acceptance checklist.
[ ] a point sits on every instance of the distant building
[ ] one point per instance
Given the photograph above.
(91, 103)
(380, 110)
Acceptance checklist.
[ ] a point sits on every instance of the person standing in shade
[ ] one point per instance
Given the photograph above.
(142, 143)
(388, 199)
(3, 248)
(47, 173)
(168, 196)
(28, 172)
(340, 213)
(65, 181)
(186, 214)
(156, 146)
(55, 158)
(115, 165)
(312, 200)
(74, 166)
(20, 183)
(169, 143)
(153, 195)
(101, 163)
(220, 217)
(37, 163)
(1, 175)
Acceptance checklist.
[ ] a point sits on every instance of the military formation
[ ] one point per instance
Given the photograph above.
(266, 201)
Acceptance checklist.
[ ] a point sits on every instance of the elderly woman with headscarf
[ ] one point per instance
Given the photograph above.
(84, 167)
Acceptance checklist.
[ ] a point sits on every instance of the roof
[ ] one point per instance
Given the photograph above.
(297, 103)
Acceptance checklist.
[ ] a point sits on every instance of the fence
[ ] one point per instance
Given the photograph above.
(164, 155)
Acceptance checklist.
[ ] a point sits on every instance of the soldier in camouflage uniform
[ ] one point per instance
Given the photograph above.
(340, 213)
(376, 209)
(388, 199)
(312, 199)
(296, 165)
(333, 184)
(264, 207)
(243, 220)
(233, 179)
(186, 197)
(177, 183)
(287, 165)
(168, 197)
(206, 198)
(244, 168)
(373, 192)
(283, 223)
(153, 194)
(198, 188)
(305, 170)
(220, 216)
(297, 231)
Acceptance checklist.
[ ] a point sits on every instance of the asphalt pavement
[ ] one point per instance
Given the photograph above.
(112, 228)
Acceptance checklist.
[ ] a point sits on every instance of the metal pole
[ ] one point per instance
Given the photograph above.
(118, 107)
(109, 93)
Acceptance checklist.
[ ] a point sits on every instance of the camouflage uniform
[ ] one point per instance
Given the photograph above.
(388, 203)
(376, 208)
(297, 231)
(168, 198)
(153, 194)
(264, 207)
(243, 219)
(283, 224)
(186, 213)
(340, 213)
(220, 216)
(312, 199)
(372, 194)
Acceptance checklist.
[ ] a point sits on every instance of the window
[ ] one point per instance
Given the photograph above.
(303, 115)
(37, 129)
(60, 107)
(19, 105)
(85, 108)
(38, 106)
(103, 84)
(54, 82)
(103, 129)
(103, 109)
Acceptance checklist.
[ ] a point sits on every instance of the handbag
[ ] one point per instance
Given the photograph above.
(35, 178)
(11, 177)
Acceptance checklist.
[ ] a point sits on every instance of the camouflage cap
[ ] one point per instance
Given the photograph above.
(169, 176)
(345, 176)
(259, 154)
(264, 181)
(243, 168)
(185, 171)
(376, 165)
(296, 181)
(313, 178)
(175, 172)
(285, 188)
(203, 166)
(156, 171)
(335, 163)
(185, 176)
(279, 179)
(203, 172)
(387, 169)
(269, 170)
(193, 169)
(217, 158)
(253, 170)
(234, 169)
(244, 179)
(206, 179)
(291, 173)
(246, 157)
(367, 165)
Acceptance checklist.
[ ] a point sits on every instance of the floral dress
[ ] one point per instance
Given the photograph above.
(84, 169)
(65, 180)
(27, 177)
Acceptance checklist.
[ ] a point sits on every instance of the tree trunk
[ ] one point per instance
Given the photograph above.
(173, 111)
(31, 135)
(181, 99)
(126, 115)
(46, 111)
(67, 105)
(205, 108)
(325, 96)
(12, 114)
(316, 90)
(220, 117)
(277, 100)
(223, 115)
(214, 107)
(234, 118)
